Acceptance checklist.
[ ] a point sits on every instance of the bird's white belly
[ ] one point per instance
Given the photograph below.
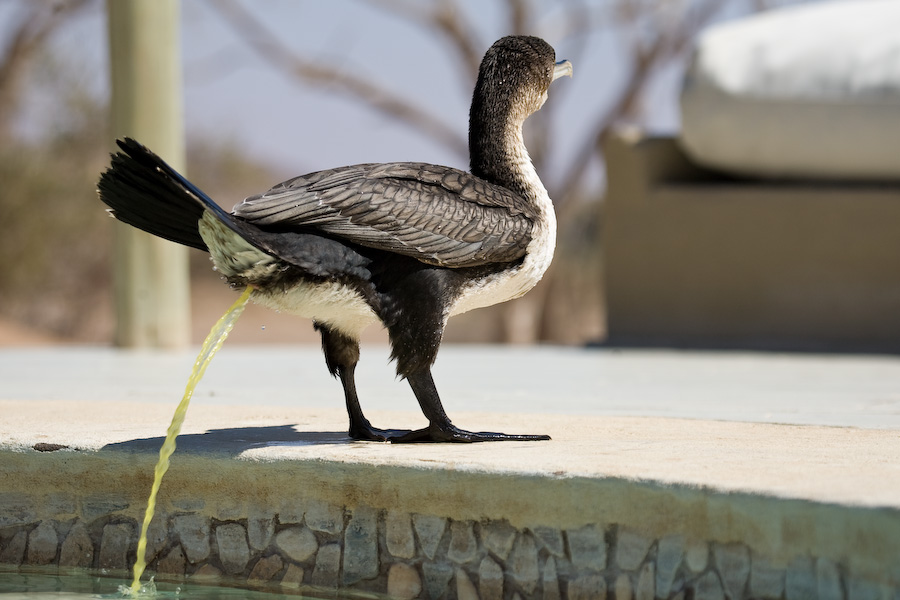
(514, 283)
(327, 302)
(330, 303)
(508, 285)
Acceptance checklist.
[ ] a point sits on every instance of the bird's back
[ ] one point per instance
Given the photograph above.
(438, 215)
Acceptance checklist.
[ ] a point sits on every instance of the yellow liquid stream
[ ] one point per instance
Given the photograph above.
(211, 345)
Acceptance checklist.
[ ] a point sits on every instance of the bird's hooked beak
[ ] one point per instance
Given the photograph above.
(562, 68)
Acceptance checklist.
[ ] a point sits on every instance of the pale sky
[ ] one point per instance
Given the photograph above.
(231, 94)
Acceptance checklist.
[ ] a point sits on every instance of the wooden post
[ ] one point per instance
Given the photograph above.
(152, 292)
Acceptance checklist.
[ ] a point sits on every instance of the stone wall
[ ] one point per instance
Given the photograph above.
(436, 530)
(406, 555)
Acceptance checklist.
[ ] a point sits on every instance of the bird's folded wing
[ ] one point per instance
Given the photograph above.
(438, 215)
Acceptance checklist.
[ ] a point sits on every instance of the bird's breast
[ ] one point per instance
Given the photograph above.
(330, 302)
(515, 281)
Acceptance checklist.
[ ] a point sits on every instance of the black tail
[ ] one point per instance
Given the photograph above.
(143, 191)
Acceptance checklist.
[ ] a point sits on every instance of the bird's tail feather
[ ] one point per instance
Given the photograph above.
(145, 192)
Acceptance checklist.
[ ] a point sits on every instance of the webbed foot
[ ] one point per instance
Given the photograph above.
(366, 433)
(453, 433)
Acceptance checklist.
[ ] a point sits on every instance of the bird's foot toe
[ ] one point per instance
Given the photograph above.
(368, 433)
(452, 433)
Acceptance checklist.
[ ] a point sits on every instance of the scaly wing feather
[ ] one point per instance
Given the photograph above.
(438, 215)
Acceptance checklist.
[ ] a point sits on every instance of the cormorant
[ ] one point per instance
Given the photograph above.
(406, 244)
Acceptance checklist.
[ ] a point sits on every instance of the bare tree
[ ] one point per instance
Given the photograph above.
(28, 30)
(652, 35)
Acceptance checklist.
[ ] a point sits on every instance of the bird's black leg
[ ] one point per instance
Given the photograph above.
(440, 429)
(413, 310)
(341, 356)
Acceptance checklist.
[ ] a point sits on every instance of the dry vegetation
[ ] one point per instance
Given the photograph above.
(55, 242)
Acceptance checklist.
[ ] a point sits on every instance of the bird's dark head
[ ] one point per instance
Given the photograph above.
(515, 74)
(513, 80)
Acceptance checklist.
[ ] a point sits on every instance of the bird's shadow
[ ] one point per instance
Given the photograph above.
(236, 440)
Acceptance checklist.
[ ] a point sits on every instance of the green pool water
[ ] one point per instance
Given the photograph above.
(84, 586)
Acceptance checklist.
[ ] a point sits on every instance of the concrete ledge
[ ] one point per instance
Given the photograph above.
(618, 506)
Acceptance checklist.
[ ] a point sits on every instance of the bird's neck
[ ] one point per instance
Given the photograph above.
(497, 153)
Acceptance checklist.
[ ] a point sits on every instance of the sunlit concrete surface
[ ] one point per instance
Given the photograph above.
(780, 471)
(802, 389)
(724, 420)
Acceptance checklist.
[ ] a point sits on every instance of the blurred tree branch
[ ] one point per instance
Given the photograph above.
(443, 17)
(647, 37)
(657, 34)
(654, 34)
(268, 45)
(31, 26)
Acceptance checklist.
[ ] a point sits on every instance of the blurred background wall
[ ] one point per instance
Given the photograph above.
(276, 88)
